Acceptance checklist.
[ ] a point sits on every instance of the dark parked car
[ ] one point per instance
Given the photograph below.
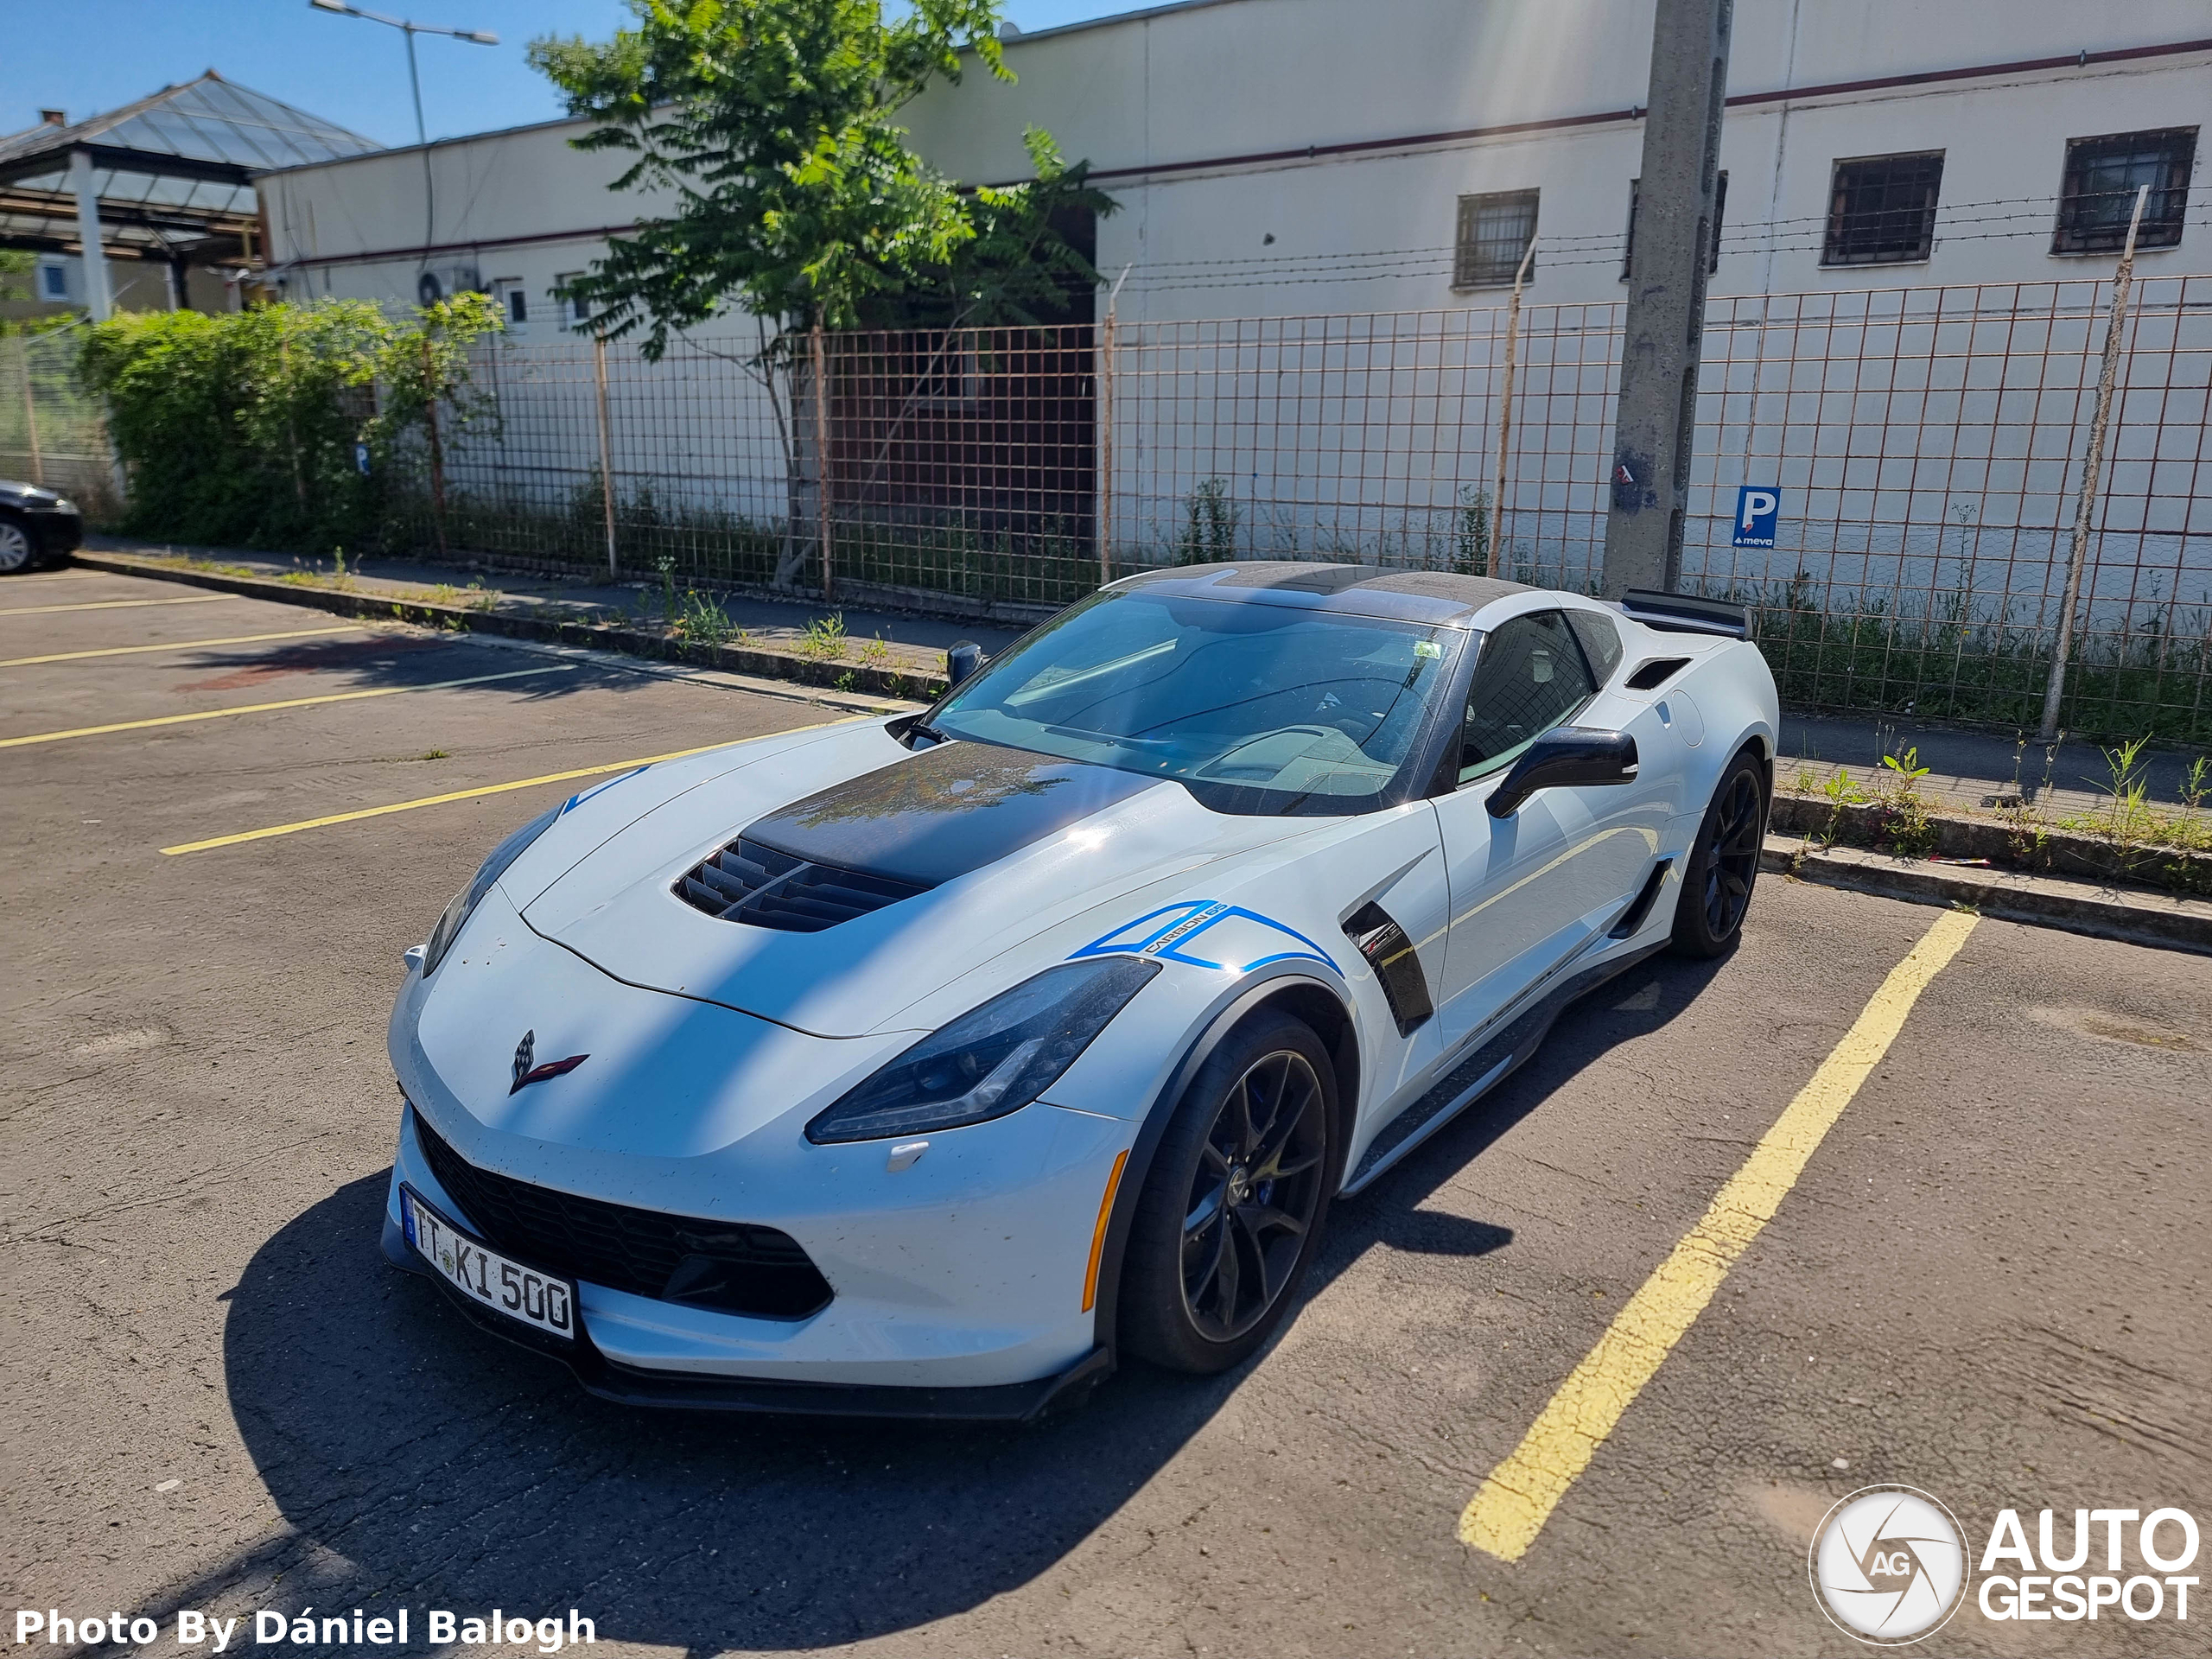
(37, 527)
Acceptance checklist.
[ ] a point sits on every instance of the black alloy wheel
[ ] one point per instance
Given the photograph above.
(1253, 1196)
(1724, 862)
(1233, 1206)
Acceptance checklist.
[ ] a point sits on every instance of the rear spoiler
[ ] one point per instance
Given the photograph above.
(1687, 613)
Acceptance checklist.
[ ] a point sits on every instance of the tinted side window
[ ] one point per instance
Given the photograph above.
(1601, 642)
(1531, 677)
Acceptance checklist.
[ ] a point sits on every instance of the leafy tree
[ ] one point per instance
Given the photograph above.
(772, 126)
(422, 370)
(15, 264)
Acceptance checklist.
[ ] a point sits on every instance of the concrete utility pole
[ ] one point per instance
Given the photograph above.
(1665, 328)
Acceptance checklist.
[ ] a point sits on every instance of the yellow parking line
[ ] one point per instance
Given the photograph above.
(289, 702)
(1510, 1510)
(467, 794)
(117, 604)
(178, 645)
(430, 800)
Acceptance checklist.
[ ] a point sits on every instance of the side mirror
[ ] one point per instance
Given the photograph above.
(961, 662)
(1564, 755)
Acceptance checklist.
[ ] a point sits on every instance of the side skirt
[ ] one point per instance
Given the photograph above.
(1482, 1070)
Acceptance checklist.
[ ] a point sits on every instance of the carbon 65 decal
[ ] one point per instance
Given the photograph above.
(1234, 937)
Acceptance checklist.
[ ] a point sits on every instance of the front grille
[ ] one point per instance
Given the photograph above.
(747, 882)
(733, 1267)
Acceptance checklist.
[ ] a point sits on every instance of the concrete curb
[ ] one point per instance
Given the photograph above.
(2031, 846)
(2136, 916)
(851, 677)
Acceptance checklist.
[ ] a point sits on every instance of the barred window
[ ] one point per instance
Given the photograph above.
(1493, 231)
(2097, 196)
(575, 313)
(1882, 210)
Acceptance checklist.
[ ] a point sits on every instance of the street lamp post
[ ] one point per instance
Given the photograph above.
(479, 36)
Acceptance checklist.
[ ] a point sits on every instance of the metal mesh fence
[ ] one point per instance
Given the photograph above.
(51, 431)
(1926, 446)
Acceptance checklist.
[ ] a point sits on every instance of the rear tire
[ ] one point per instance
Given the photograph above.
(1232, 1209)
(1724, 862)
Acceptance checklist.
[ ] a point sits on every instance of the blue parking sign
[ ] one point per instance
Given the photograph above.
(361, 459)
(1757, 508)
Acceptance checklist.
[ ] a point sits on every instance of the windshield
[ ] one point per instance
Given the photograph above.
(1258, 708)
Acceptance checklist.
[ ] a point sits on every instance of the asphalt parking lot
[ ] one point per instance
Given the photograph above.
(1990, 1279)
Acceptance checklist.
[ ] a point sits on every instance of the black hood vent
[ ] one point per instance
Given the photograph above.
(762, 887)
(898, 830)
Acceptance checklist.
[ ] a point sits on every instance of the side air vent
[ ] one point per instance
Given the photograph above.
(749, 883)
(1395, 962)
(1631, 919)
(1650, 676)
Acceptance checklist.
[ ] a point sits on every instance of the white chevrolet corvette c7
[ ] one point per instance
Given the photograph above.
(927, 1064)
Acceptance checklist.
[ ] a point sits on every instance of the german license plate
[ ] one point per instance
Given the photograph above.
(485, 1276)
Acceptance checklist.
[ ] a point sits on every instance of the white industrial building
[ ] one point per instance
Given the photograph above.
(1278, 157)
(1321, 206)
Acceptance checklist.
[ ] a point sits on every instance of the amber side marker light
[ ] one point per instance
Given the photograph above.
(1098, 1233)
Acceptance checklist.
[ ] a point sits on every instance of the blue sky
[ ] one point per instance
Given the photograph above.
(87, 55)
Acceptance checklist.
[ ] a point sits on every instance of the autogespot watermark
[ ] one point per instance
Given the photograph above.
(1890, 1564)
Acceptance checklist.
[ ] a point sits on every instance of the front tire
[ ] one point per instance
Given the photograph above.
(1724, 862)
(19, 549)
(1232, 1209)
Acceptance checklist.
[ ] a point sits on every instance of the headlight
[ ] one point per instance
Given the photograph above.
(63, 503)
(991, 1060)
(457, 912)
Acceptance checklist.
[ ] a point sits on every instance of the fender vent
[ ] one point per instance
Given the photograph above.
(1631, 919)
(749, 883)
(1395, 962)
(1650, 676)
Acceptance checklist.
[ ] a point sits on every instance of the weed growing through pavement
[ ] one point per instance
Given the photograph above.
(702, 621)
(876, 653)
(824, 639)
(1901, 821)
(2129, 817)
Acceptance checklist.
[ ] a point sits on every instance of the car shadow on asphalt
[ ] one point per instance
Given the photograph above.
(420, 1462)
(382, 660)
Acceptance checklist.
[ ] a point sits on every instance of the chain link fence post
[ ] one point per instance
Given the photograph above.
(2092, 467)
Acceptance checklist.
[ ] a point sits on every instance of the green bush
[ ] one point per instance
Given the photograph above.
(239, 428)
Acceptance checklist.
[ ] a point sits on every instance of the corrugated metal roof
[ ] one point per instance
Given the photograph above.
(208, 120)
(167, 166)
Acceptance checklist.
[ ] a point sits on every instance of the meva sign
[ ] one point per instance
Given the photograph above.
(1757, 508)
